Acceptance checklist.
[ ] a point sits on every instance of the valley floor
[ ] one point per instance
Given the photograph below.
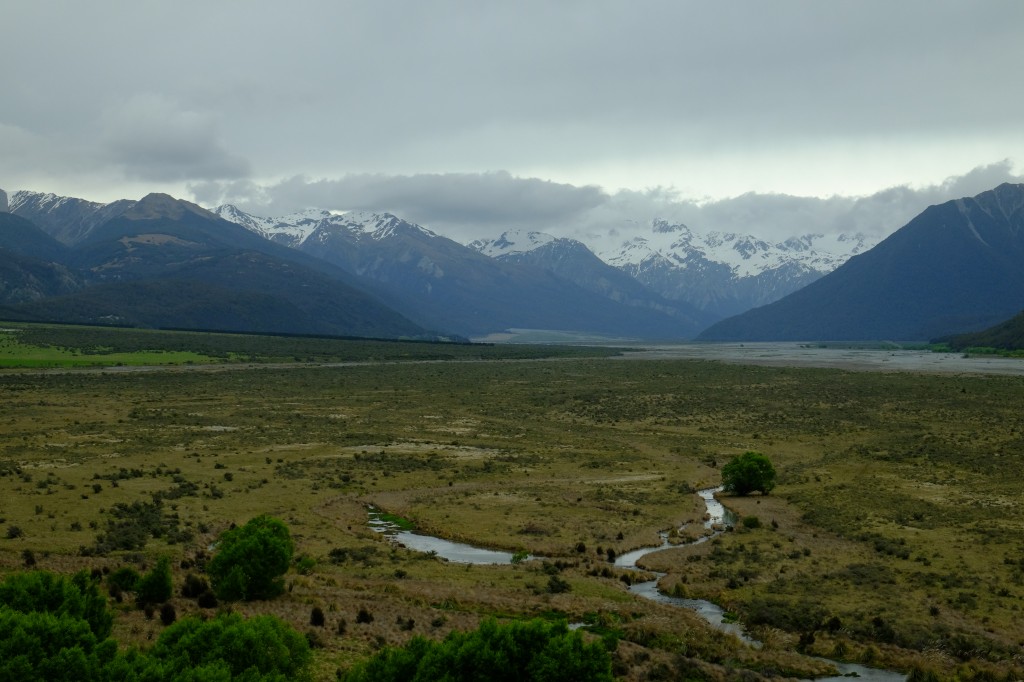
(892, 539)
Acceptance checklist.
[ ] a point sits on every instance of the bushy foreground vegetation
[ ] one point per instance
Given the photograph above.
(534, 651)
(56, 628)
(892, 536)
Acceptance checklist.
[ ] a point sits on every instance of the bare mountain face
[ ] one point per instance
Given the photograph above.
(955, 268)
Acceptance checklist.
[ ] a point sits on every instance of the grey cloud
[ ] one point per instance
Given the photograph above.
(470, 206)
(777, 216)
(575, 91)
(153, 138)
(460, 203)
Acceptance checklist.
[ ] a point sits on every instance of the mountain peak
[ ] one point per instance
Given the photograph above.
(3, 202)
(659, 226)
(157, 205)
(512, 242)
(1002, 202)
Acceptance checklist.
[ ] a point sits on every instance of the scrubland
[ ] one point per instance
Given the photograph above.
(894, 536)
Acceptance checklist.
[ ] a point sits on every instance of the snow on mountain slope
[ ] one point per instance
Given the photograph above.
(720, 273)
(295, 228)
(291, 229)
(744, 255)
(511, 242)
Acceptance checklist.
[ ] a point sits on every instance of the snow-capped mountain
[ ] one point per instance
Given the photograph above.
(668, 282)
(719, 273)
(954, 268)
(744, 255)
(296, 228)
(727, 273)
(448, 285)
(512, 242)
(67, 219)
(573, 261)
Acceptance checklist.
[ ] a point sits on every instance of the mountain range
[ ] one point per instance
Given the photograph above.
(437, 281)
(161, 261)
(954, 268)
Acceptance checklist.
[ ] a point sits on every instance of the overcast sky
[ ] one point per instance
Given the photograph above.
(581, 118)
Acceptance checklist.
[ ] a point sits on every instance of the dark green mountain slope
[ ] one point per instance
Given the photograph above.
(169, 263)
(30, 263)
(24, 238)
(956, 267)
(1008, 335)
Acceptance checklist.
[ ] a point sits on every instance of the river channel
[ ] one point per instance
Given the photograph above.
(717, 519)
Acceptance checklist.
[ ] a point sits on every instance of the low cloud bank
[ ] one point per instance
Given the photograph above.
(466, 206)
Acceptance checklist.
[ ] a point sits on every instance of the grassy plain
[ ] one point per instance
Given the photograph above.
(894, 536)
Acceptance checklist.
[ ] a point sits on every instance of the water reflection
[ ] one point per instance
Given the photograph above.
(455, 552)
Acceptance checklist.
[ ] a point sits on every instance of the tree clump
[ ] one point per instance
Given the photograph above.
(251, 559)
(747, 473)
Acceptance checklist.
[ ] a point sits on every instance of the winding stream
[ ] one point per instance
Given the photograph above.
(718, 518)
(455, 552)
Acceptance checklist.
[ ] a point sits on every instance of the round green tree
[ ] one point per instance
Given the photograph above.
(251, 559)
(748, 472)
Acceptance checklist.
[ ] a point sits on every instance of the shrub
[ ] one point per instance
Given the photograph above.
(530, 651)
(156, 586)
(305, 564)
(167, 614)
(251, 559)
(124, 579)
(195, 585)
(557, 585)
(207, 600)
